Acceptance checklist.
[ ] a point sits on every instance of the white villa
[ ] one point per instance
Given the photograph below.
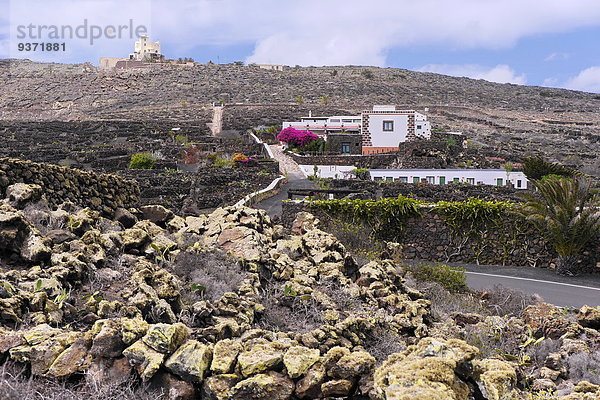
(493, 177)
(383, 127)
(145, 50)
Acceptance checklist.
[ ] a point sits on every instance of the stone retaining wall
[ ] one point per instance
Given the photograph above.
(101, 192)
(428, 192)
(430, 238)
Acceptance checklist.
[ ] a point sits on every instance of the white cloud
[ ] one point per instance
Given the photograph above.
(500, 73)
(350, 32)
(73, 22)
(588, 80)
(327, 31)
(550, 82)
(557, 57)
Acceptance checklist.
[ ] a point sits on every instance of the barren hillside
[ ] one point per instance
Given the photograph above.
(508, 120)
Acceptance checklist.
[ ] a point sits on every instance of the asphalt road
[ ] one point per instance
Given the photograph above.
(559, 290)
(273, 205)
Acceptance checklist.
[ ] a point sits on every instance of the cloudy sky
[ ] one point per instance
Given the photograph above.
(534, 42)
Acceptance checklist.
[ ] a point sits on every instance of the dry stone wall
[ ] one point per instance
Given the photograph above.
(101, 192)
(430, 238)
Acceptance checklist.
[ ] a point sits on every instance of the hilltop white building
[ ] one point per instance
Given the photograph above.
(145, 50)
(383, 128)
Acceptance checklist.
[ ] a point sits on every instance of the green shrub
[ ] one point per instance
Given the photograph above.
(142, 161)
(451, 141)
(181, 139)
(361, 173)
(452, 279)
(387, 218)
(223, 162)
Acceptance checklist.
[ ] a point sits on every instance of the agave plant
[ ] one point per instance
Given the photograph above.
(567, 214)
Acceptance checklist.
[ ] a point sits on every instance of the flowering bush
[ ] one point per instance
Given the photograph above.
(295, 137)
(239, 157)
(250, 161)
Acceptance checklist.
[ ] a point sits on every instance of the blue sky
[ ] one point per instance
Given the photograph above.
(534, 42)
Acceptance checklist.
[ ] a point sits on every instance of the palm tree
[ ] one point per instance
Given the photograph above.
(567, 214)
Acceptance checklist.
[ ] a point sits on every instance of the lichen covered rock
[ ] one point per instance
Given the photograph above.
(425, 371)
(166, 338)
(269, 386)
(225, 356)
(259, 358)
(191, 361)
(299, 359)
(145, 359)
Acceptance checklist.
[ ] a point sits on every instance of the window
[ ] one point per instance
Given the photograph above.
(389, 179)
(378, 178)
(456, 180)
(388, 126)
(403, 179)
(345, 148)
(419, 126)
(471, 181)
(518, 183)
(416, 179)
(442, 180)
(347, 121)
(431, 179)
(334, 120)
(500, 182)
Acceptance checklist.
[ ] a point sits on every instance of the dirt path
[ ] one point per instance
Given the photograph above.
(216, 127)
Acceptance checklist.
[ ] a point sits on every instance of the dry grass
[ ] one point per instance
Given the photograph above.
(503, 301)
(585, 367)
(214, 270)
(16, 384)
(287, 313)
(381, 343)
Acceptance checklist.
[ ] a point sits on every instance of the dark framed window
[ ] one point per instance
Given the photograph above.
(388, 126)
(345, 148)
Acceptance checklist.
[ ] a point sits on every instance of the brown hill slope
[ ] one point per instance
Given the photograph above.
(504, 118)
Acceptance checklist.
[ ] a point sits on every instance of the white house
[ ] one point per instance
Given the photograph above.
(146, 50)
(324, 125)
(383, 128)
(494, 177)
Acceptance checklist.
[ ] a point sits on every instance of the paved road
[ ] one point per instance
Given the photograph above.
(296, 180)
(562, 291)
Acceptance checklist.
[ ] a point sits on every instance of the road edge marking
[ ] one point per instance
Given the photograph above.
(532, 280)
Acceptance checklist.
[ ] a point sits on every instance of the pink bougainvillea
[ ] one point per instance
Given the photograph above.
(295, 137)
